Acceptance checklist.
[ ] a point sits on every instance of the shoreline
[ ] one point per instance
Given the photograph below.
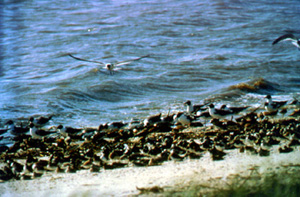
(236, 158)
(233, 175)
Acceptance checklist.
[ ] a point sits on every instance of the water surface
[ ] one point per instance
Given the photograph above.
(199, 50)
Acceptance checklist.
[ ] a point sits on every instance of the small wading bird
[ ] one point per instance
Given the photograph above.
(110, 66)
(288, 37)
(39, 133)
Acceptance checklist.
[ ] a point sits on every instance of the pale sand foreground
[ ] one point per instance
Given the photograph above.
(191, 176)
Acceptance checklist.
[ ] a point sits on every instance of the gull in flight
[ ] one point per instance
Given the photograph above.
(110, 66)
(288, 37)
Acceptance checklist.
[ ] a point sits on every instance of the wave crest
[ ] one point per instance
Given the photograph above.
(260, 86)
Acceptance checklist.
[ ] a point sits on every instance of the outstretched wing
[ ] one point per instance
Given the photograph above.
(77, 58)
(129, 61)
(284, 38)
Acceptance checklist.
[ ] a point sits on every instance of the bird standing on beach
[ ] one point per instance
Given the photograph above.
(183, 118)
(152, 119)
(110, 66)
(66, 131)
(192, 108)
(272, 106)
(218, 113)
(288, 37)
(38, 133)
(234, 110)
(15, 130)
(41, 121)
(270, 111)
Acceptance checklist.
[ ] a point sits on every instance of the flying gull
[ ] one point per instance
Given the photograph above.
(288, 37)
(110, 66)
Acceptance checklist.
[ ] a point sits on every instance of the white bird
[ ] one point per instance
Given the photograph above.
(41, 121)
(39, 133)
(66, 131)
(152, 119)
(109, 66)
(192, 108)
(204, 115)
(234, 110)
(272, 106)
(183, 118)
(218, 113)
(288, 37)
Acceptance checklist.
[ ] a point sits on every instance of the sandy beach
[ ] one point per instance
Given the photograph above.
(238, 172)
